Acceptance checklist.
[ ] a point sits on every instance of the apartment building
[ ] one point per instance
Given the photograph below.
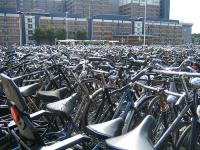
(72, 25)
(45, 6)
(106, 29)
(186, 32)
(88, 8)
(102, 19)
(136, 8)
(30, 26)
(8, 6)
(157, 32)
(9, 29)
(164, 32)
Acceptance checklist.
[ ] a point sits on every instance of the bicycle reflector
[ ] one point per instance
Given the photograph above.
(15, 114)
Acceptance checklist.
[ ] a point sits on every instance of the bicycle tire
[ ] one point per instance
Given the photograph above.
(91, 107)
(131, 120)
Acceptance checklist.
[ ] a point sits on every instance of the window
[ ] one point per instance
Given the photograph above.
(30, 32)
(30, 25)
(30, 38)
(29, 20)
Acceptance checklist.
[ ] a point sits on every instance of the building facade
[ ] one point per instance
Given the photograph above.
(89, 8)
(105, 29)
(8, 6)
(99, 18)
(136, 8)
(45, 6)
(186, 32)
(72, 25)
(9, 29)
(30, 26)
(164, 32)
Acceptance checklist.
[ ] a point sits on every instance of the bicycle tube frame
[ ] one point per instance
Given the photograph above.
(122, 99)
(173, 126)
(131, 113)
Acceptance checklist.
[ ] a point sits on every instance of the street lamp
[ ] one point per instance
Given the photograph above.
(66, 23)
(20, 26)
(145, 18)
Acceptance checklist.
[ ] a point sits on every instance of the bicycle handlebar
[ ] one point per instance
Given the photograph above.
(168, 72)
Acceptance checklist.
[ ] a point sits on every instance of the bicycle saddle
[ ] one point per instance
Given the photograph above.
(29, 89)
(107, 129)
(63, 107)
(137, 139)
(49, 96)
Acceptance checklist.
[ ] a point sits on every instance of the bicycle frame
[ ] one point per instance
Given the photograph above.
(126, 96)
(190, 105)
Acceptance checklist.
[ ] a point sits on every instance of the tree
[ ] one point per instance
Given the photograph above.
(81, 34)
(49, 35)
(38, 35)
(196, 38)
(60, 34)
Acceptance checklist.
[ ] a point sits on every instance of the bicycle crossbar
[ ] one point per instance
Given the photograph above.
(157, 89)
(177, 73)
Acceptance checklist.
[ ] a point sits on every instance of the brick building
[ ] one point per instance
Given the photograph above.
(9, 29)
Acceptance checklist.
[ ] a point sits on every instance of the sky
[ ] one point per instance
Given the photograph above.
(186, 11)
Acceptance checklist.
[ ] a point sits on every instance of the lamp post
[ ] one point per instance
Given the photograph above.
(66, 23)
(145, 18)
(20, 26)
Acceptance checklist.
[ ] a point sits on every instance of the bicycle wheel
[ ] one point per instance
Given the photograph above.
(163, 118)
(98, 110)
(163, 121)
(184, 140)
(135, 117)
(86, 88)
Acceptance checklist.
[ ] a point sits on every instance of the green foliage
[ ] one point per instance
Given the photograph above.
(196, 39)
(38, 35)
(48, 35)
(60, 34)
(81, 34)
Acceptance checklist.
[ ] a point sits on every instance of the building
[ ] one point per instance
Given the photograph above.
(165, 9)
(9, 29)
(186, 32)
(106, 26)
(30, 25)
(89, 8)
(72, 25)
(8, 6)
(100, 19)
(45, 6)
(164, 32)
(136, 8)
(167, 32)
(102, 27)
(113, 7)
